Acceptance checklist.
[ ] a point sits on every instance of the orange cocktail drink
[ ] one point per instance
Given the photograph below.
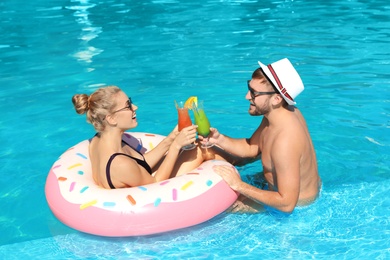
(184, 120)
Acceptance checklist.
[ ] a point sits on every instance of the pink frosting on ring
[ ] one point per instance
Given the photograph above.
(169, 205)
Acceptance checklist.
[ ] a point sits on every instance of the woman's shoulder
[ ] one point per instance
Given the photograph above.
(122, 162)
(125, 169)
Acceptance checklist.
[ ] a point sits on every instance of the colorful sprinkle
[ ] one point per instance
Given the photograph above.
(193, 173)
(139, 147)
(81, 155)
(109, 204)
(62, 178)
(150, 135)
(174, 194)
(72, 186)
(209, 183)
(157, 202)
(74, 165)
(142, 188)
(164, 182)
(151, 146)
(88, 204)
(188, 184)
(57, 166)
(199, 168)
(80, 172)
(131, 200)
(84, 189)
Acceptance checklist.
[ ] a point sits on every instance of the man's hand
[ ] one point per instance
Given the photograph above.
(212, 138)
(229, 174)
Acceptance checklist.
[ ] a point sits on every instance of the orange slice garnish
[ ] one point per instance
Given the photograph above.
(190, 102)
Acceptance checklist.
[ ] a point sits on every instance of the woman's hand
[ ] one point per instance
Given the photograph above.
(186, 136)
(174, 133)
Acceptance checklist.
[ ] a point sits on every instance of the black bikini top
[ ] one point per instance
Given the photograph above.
(140, 162)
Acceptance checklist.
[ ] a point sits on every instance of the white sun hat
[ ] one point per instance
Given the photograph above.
(285, 79)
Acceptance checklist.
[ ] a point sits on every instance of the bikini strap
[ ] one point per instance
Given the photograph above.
(143, 163)
(108, 174)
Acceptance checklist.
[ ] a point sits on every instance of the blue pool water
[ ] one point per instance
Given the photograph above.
(159, 51)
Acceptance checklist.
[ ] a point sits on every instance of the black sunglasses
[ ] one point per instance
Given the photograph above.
(129, 105)
(254, 94)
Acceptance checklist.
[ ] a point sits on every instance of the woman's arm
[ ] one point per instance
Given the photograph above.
(129, 174)
(154, 156)
(185, 137)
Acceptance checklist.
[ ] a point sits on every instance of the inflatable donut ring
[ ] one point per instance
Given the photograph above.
(176, 203)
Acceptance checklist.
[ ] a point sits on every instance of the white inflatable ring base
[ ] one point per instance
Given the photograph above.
(176, 203)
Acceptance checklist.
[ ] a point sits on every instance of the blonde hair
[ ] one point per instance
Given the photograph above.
(97, 105)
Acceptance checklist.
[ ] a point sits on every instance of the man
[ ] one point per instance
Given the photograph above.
(282, 140)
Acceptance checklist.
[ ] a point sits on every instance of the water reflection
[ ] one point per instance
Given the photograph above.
(89, 32)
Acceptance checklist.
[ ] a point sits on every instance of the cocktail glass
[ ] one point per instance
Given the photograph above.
(184, 120)
(202, 121)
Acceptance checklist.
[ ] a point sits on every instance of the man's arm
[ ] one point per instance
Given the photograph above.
(276, 199)
(285, 156)
(241, 147)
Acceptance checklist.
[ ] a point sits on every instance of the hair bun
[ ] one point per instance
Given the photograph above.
(81, 103)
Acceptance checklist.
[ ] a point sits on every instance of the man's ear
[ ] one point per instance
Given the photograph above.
(278, 99)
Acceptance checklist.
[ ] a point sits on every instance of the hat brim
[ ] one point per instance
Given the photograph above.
(271, 77)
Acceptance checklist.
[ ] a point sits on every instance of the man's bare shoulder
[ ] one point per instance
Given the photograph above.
(290, 136)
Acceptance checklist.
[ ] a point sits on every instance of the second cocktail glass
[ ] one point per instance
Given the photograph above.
(202, 121)
(184, 120)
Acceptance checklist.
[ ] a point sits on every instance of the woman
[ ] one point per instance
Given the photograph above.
(115, 164)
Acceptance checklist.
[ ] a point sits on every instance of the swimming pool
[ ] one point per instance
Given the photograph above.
(158, 51)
